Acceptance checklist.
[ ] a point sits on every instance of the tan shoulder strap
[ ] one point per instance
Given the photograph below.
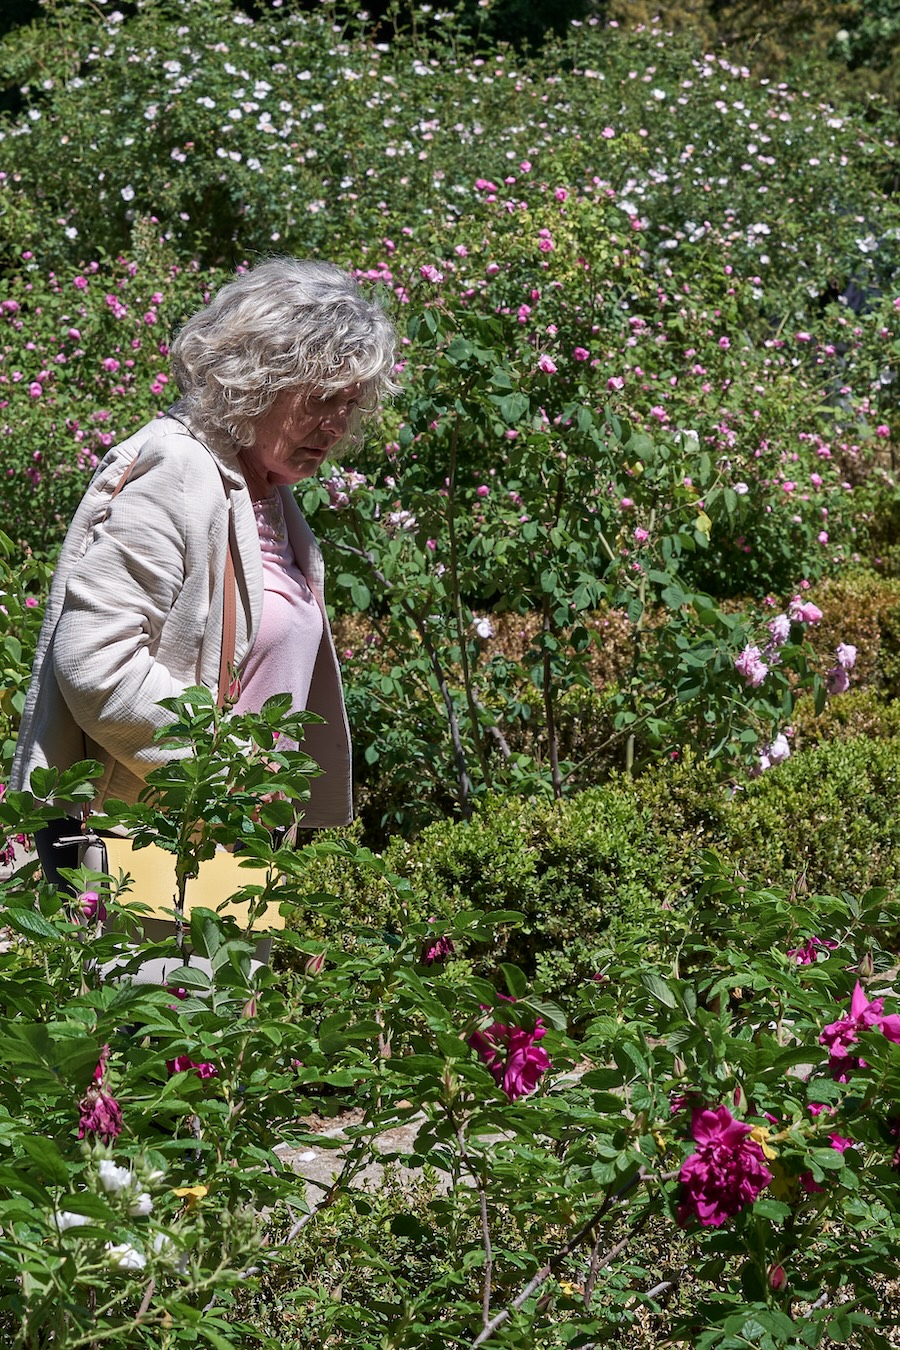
(229, 621)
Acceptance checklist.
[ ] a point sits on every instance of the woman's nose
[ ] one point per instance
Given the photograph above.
(336, 417)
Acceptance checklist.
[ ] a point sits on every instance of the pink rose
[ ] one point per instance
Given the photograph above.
(724, 1174)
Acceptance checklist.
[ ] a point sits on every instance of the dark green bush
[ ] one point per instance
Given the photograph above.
(583, 871)
(829, 816)
(862, 608)
(858, 713)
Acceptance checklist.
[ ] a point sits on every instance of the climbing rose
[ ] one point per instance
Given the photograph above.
(777, 1277)
(437, 950)
(725, 1172)
(750, 665)
(513, 1056)
(808, 954)
(98, 1111)
(846, 655)
(780, 629)
(124, 1256)
(837, 681)
(776, 753)
(865, 1015)
(547, 365)
(99, 1114)
(88, 903)
(804, 612)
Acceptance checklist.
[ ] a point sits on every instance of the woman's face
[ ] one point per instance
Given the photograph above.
(294, 438)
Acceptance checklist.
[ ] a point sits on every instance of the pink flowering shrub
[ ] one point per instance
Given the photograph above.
(840, 1036)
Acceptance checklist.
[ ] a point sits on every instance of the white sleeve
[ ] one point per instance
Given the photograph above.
(118, 598)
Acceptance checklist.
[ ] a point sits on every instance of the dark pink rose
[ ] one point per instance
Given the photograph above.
(513, 1056)
(724, 1174)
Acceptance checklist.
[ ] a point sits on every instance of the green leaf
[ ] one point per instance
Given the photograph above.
(459, 350)
(45, 1154)
(219, 1342)
(43, 781)
(656, 985)
(30, 923)
(674, 597)
(513, 407)
(360, 595)
(516, 982)
(206, 932)
(407, 1225)
(548, 1012)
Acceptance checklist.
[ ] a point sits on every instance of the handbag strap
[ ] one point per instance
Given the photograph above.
(229, 624)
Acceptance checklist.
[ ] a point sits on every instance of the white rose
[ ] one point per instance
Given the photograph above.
(141, 1206)
(124, 1256)
(114, 1178)
(66, 1219)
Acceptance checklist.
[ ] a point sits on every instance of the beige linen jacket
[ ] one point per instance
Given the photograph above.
(135, 616)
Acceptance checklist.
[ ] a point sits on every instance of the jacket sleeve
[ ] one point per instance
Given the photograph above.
(119, 597)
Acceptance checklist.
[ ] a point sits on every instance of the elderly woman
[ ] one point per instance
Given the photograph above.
(274, 375)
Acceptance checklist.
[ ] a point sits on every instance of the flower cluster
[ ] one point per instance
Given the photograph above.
(865, 1015)
(726, 1171)
(183, 1063)
(751, 666)
(124, 1188)
(812, 949)
(513, 1056)
(754, 663)
(341, 486)
(100, 1115)
(437, 949)
(776, 752)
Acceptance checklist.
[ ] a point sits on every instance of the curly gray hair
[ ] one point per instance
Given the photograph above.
(284, 324)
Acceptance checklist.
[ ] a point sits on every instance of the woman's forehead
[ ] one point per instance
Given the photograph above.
(300, 398)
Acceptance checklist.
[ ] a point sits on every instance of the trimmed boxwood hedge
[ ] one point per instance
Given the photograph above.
(826, 820)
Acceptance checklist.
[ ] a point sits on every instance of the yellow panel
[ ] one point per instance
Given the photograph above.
(153, 881)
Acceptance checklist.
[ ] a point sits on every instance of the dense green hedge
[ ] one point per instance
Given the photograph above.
(583, 870)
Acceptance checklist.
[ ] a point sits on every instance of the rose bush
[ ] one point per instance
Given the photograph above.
(686, 1091)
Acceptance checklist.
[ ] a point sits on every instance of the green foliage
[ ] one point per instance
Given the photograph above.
(618, 858)
(22, 585)
(522, 1213)
(648, 371)
(649, 380)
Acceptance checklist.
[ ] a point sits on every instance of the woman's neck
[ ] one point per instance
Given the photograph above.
(258, 484)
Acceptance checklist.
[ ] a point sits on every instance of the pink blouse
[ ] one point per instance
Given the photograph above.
(284, 654)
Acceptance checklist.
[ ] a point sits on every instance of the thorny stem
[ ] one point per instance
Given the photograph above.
(488, 1252)
(145, 1301)
(586, 1230)
(637, 652)
(458, 611)
(599, 1263)
(481, 1182)
(548, 631)
(552, 741)
(610, 740)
